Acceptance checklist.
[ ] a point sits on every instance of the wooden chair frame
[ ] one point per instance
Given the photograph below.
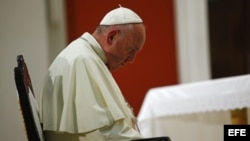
(24, 87)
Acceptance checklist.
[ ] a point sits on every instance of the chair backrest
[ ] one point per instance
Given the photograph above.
(27, 101)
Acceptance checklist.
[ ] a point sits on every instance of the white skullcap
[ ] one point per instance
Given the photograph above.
(120, 15)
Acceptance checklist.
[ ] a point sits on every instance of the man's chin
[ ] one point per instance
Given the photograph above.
(116, 68)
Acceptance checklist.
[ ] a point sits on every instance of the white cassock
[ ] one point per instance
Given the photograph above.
(80, 100)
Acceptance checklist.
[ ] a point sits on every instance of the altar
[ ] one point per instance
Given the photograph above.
(194, 111)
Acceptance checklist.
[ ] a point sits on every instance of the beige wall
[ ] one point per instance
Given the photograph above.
(24, 30)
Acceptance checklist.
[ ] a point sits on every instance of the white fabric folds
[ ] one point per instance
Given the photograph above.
(211, 95)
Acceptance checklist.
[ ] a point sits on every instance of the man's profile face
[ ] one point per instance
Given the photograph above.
(125, 48)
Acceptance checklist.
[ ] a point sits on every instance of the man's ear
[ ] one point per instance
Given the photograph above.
(111, 36)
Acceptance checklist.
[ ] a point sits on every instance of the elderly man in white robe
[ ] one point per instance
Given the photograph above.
(80, 100)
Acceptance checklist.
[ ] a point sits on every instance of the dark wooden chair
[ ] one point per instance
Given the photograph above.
(27, 101)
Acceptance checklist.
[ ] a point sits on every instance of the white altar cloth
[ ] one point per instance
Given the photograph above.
(164, 106)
